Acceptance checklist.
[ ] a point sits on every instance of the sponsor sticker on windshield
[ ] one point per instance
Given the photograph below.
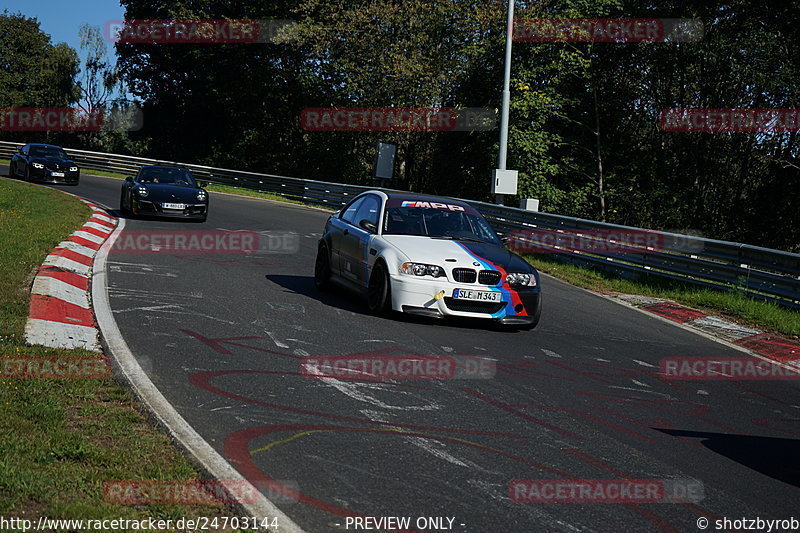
(431, 205)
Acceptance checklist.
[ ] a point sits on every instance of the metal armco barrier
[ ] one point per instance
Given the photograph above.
(761, 273)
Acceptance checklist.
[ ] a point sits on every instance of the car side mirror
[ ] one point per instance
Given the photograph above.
(202, 184)
(369, 226)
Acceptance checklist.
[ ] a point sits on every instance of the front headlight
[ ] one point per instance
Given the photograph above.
(421, 269)
(142, 191)
(73, 169)
(37, 165)
(201, 195)
(520, 279)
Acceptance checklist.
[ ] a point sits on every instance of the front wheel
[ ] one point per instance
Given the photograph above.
(379, 290)
(322, 268)
(122, 207)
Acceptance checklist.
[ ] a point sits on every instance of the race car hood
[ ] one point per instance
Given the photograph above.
(53, 162)
(164, 192)
(466, 254)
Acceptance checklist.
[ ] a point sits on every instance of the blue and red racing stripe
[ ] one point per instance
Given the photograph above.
(510, 296)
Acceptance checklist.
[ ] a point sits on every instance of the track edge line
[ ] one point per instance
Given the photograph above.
(203, 454)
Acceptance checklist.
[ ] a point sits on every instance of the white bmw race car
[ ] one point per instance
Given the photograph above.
(426, 256)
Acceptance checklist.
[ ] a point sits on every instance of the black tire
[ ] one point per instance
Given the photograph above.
(12, 170)
(322, 268)
(27, 176)
(122, 208)
(131, 214)
(379, 290)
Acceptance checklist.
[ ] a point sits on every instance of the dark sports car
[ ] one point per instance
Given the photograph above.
(164, 191)
(45, 163)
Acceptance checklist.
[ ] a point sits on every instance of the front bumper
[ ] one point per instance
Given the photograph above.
(45, 175)
(146, 208)
(418, 296)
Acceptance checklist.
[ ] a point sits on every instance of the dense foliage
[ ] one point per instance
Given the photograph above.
(584, 116)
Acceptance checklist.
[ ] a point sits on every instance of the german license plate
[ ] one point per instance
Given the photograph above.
(483, 296)
(57, 174)
(173, 206)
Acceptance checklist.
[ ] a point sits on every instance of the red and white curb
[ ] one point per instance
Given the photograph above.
(60, 313)
(770, 346)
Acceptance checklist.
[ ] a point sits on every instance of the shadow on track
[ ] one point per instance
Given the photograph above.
(347, 300)
(772, 456)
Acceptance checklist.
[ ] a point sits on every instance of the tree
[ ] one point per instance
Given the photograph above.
(33, 71)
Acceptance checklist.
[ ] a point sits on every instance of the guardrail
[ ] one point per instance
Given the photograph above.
(761, 273)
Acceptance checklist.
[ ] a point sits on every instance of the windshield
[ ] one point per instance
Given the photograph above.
(168, 175)
(438, 223)
(48, 151)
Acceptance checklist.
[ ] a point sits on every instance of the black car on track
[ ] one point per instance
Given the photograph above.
(164, 191)
(45, 163)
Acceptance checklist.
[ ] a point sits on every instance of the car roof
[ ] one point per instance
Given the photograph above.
(42, 144)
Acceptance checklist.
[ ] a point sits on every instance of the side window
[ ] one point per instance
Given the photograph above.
(350, 211)
(368, 210)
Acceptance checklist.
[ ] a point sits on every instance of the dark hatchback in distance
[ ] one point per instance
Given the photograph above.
(45, 163)
(164, 191)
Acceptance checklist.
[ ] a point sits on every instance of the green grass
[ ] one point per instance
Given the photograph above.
(255, 194)
(104, 173)
(731, 304)
(61, 439)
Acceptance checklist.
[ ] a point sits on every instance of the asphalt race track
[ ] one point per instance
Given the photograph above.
(223, 335)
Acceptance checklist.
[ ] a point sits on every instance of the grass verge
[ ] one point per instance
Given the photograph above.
(61, 439)
(254, 194)
(731, 304)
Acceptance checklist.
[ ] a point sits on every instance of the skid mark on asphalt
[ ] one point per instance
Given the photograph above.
(141, 268)
(278, 343)
(356, 391)
(663, 395)
(551, 353)
(424, 444)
